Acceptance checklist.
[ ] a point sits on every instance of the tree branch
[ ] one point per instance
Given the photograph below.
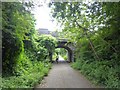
(91, 44)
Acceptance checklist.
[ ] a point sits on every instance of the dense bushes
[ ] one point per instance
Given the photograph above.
(100, 72)
(24, 59)
(94, 30)
(49, 42)
(103, 71)
(13, 34)
(29, 77)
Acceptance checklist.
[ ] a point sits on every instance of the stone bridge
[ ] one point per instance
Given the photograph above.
(63, 43)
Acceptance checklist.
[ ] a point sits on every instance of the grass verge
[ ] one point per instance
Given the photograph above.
(28, 79)
(101, 73)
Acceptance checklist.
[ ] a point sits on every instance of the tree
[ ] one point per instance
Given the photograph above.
(48, 42)
(17, 26)
(94, 28)
(77, 15)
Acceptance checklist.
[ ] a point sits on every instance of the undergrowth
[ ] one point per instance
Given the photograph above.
(29, 79)
(99, 72)
(25, 53)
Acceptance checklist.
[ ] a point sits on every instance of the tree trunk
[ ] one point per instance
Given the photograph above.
(91, 44)
(50, 56)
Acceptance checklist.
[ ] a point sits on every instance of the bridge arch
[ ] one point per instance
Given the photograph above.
(63, 43)
(70, 53)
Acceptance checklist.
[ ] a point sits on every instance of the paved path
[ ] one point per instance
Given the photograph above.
(63, 76)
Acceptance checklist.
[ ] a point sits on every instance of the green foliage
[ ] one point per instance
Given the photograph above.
(18, 25)
(65, 57)
(24, 61)
(94, 29)
(54, 56)
(48, 42)
(100, 72)
(29, 78)
(0, 82)
(60, 51)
